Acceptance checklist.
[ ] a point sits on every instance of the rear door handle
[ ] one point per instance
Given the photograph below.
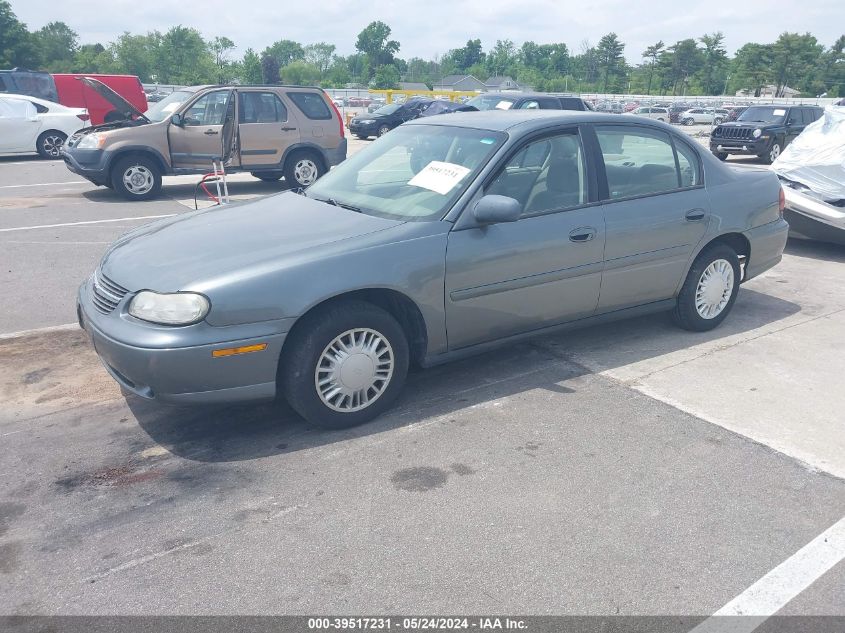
(694, 215)
(210, 132)
(288, 129)
(582, 234)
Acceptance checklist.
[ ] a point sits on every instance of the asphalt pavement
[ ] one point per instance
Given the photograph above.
(623, 469)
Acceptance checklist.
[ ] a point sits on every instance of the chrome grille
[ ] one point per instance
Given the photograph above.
(733, 132)
(107, 294)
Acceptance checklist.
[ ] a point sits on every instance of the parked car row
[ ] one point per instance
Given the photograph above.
(29, 124)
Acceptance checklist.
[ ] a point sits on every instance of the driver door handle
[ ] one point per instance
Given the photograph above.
(694, 215)
(288, 129)
(210, 132)
(582, 234)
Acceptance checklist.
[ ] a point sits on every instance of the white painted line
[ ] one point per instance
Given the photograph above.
(773, 591)
(66, 327)
(53, 226)
(46, 184)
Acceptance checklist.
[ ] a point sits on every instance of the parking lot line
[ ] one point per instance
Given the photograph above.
(53, 226)
(46, 184)
(773, 591)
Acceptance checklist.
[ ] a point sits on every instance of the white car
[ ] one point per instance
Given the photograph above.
(652, 112)
(705, 116)
(28, 124)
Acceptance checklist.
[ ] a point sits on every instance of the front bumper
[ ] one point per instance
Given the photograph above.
(92, 164)
(364, 129)
(767, 243)
(176, 365)
(750, 146)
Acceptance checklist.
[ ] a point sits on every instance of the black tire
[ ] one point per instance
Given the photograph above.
(688, 121)
(723, 156)
(303, 168)
(685, 313)
(772, 153)
(384, 129)
(363, 137)
(302, 352)
(268, 176)
(148, 172)
(49, 144)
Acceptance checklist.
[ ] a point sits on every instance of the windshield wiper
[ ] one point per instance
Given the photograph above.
(342, 205)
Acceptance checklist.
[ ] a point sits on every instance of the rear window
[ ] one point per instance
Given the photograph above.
(312, 105)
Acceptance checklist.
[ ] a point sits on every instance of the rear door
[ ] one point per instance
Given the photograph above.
(266, 126)
(200, 138)
(541, 270)
(656, 211)
(20, 125)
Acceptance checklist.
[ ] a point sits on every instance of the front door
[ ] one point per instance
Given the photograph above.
(267, 127)
(541, 270)
(19, 125)
(201, 137)
(656, 211)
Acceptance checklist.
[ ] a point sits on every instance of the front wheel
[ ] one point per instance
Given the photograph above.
(383, 130)
(723, 156)
(49, 144)
(710, 289)
(688, 121)
(363, 137)
(345, 365)
(136, 177)
(303, 169)
(773, 153)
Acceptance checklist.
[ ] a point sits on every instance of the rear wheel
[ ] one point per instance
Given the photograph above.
(50, 143)
(710, 289)
(136, 177)
(773, 153)
(302, 169)
(721, 155)
(345, 365)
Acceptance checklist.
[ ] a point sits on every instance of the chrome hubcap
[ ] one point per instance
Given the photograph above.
(138, 179)
(354, 370)
(775, 152)
(714, 289)
(383, 130)
(53, 145)
(305, 171)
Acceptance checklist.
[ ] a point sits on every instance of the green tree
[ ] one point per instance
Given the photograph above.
(137, 54)
(285, 52)
(651, 54)
(270, 69)
(183, 57)
(610, 61)
(338, 74)
(251, 68)
(502, 58)
(221, 48)
(386, 76)
(93, 58)
(830, 76)
(678, 63)
(467, 56)
(300, 73)
(751, 68)
(714, 64)
(794, 57)
(320, 55)
(58, 44)
(17, 46)
(374, 43)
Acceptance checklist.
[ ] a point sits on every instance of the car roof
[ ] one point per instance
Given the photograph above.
(528, 120)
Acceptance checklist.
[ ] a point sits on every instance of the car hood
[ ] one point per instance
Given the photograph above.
(191, 250)
(121, 104)
(370, 115)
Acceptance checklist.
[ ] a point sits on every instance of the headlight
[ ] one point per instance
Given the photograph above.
(756, 133)
(91, 141)
(366, 121)
(178, 308)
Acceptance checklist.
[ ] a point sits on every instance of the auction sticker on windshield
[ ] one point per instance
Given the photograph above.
(779, 112)
(439, 177)
(504, 105)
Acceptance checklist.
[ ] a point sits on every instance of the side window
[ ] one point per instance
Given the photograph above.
(816, 113)
(312, 105)
(546, 175)
(261, 107)
(688, 164)
(39, 108)
(210, 109)
(637, 162)
(532, 104)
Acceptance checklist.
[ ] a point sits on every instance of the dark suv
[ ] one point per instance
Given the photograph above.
(762, 131)
(526, 101)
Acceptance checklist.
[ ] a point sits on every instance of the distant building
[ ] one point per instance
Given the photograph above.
(501, 83)
(770, 91)
(466, 83)
(412, 85)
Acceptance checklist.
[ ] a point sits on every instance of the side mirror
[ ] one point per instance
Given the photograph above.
(493, 209)
(177, 119)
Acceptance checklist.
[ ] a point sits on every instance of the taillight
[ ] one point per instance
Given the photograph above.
(337, 112)
(82, 117)
(781, 202)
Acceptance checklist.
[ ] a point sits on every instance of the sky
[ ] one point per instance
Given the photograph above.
(428, 28)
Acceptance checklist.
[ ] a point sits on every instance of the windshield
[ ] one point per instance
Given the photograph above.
(491, 102)
(415, 173)
(167, 106)
(388, 109)
(763, 114)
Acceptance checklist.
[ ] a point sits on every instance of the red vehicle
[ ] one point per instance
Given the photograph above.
(75, 94)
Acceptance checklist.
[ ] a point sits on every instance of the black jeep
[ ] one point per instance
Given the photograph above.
(762, 130)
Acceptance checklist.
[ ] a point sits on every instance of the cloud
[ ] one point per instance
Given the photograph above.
(432, 27)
